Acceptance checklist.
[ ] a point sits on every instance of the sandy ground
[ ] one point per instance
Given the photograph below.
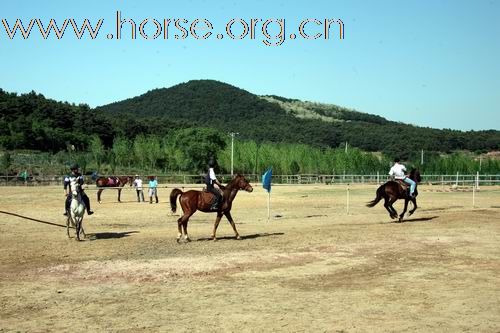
(312, 268)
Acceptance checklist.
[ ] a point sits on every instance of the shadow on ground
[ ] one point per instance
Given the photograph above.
(111, 235)
(253, 236)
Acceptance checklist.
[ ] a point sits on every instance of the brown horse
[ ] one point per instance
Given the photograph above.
(392, 191)
(191, 201)
(112, 181)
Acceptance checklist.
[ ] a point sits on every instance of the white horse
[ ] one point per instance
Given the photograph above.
(76, 211)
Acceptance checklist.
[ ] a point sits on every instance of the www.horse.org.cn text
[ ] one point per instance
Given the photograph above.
(271, 32)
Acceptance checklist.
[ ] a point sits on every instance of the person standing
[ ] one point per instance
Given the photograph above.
(138, 188)
(153, 184)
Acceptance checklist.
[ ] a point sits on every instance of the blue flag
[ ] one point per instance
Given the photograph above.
(266, 179)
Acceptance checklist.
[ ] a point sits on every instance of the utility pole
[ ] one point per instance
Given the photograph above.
(232, 134)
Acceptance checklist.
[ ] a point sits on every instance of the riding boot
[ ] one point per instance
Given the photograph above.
(86, 201)
(67, 204)
(156, 199)
(217, 201)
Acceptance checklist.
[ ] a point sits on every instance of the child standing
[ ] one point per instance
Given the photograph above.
(153, 184)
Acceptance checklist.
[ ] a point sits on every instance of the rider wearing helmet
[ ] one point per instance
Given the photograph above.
(75, 176)
(210, 180)
(398, 171)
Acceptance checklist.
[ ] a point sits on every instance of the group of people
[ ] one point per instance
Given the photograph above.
(397, 171)
(76, 177)
(153, 185)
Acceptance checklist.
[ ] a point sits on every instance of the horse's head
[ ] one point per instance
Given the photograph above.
(241, 183)
(130, 180)
(415, 175)
(74, 187)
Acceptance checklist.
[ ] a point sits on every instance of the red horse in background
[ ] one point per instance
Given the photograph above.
(112, 181)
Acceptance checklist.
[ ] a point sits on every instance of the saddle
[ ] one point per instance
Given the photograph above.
(111, 181)
(210, 197)
(404, 187)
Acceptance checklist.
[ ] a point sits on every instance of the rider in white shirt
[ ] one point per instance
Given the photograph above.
(138, 188)
(398, 171)
(210, 180)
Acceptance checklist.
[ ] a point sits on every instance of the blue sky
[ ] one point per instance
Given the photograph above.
(428, 63)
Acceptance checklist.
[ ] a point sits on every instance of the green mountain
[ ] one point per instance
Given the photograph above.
(276, 119)
(30, 121)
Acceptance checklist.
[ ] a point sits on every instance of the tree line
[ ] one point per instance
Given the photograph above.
(178, 129)
(187, 151)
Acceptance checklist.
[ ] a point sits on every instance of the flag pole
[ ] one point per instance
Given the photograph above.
(268, 206)
(266, 183)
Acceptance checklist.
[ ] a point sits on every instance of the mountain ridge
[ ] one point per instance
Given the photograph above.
(277, 119)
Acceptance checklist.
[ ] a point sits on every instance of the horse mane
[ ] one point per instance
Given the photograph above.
(233, 181)
(415, 175)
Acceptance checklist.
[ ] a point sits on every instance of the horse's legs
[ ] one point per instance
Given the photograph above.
(77, 227)
(394, 213)
(81, 227)
(216, 225)
(180, 230)
(99, 195)
(388, 206)
(182, 226)
(230, 219)
(404, 210)
(185, 227)
(119, 194)
(67, 224)
(414, 200)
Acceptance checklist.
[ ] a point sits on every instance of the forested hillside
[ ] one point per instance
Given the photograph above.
(277, 119)
(179, 128)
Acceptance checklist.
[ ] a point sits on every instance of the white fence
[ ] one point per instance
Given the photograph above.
(444, 180)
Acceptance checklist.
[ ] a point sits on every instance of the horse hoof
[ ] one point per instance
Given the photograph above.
(188, 239)
(178, 240)
(214, 239)
(238, 237)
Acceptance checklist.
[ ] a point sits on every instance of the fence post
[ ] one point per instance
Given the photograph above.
(347, 207)
(473, 197)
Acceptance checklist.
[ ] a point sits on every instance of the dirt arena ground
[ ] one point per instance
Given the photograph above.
(312, 268)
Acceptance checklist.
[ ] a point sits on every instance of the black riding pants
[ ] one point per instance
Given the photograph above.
(85, 200)
(214, 191)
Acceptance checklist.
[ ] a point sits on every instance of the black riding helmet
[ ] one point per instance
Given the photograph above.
(211, 163)
(397, 160)
(74, 167)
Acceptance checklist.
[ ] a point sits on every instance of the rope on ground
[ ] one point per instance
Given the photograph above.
(32, 219)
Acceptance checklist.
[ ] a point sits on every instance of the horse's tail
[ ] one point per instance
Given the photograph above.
(173, 198)
(379, 197)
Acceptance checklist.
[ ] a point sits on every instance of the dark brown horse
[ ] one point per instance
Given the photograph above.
(392, 191)
(191, 201)
(112, 181)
